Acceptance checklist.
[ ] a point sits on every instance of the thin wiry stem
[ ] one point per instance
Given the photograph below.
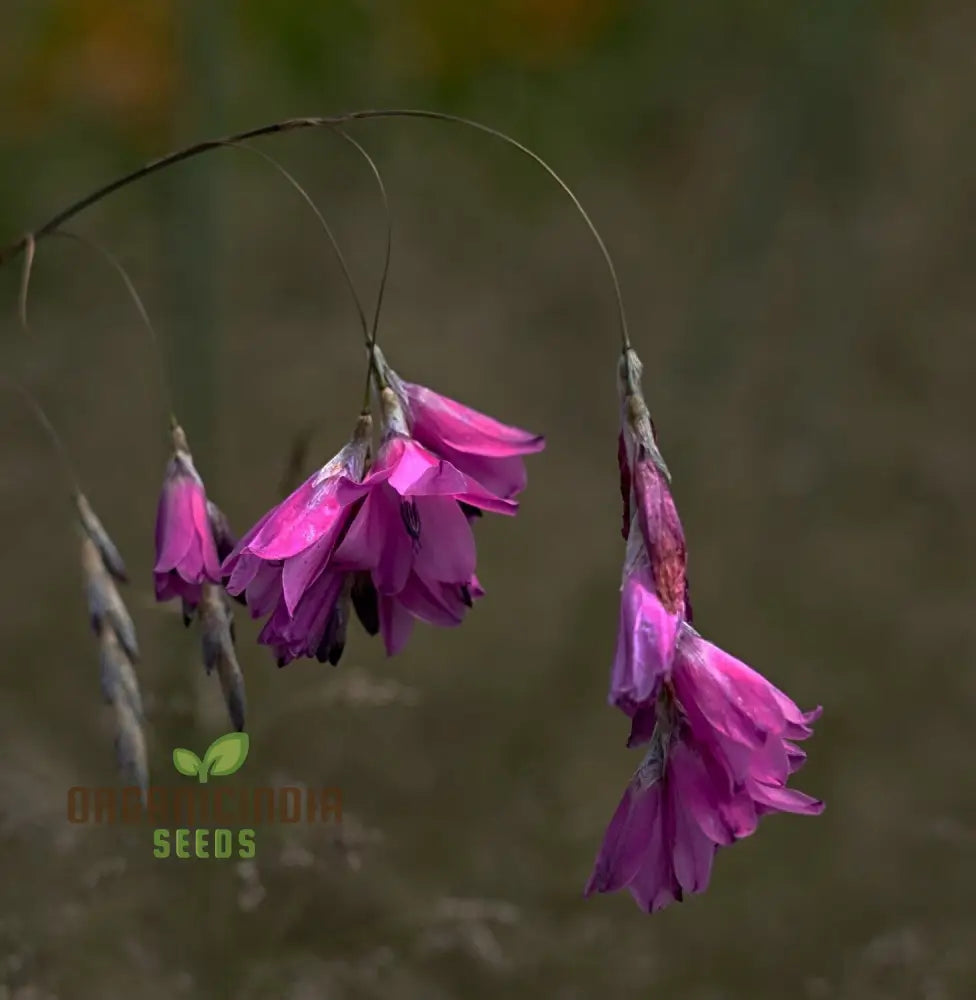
(389, 230)
(371, 340)
(488, 130)
(25, 278)
(293, 124)
(325, 226)
(40, 414)
(48, 427)
(368, 334)
(130, 287)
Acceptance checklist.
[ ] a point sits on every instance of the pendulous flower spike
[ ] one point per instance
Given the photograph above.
(719, 735)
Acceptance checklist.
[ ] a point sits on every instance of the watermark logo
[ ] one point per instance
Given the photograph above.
(203, 819)
(224, 757)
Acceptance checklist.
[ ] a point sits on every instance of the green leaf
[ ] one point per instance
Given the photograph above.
(186, 762)
(226, 754)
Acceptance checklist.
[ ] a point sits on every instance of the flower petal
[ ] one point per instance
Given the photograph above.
(432, 603)
(396, 624)
(628, 840)
(646, 637)
(734, 699)
(174, 522)
(301, 570)
(786, 799)
(441, 420)
(446, 544)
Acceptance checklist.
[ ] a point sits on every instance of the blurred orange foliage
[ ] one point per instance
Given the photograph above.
(452, 38)
(114, 58)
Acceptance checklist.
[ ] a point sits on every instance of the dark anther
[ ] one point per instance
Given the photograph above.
(366, 602)
(411, 518)
(334, 639)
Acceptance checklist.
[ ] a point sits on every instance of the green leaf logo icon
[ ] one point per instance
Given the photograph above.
(223, 757)
(186, 762)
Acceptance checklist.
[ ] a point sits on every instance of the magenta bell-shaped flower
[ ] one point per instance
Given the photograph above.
(721, 752)
(283, 565)
(411, 534)
(189, 530)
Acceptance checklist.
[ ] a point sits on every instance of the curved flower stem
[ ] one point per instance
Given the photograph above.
(371, 340)
(488, 130)
(307, 198)
(40, 414)
(293, 124)
(130, 287)
(38, 411)
(30, 248)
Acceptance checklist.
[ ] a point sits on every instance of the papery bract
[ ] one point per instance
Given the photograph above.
(646, 492)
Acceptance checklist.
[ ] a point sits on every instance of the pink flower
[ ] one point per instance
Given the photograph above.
(656, 845)
(283, 565)
(317, 628)
(477, 445)
(646, 637)
(395, 546)
(720, 755)
(188, 529)
(411, 534)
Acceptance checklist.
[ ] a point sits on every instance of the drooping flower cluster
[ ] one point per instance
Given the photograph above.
(391, 537)
(720, 737)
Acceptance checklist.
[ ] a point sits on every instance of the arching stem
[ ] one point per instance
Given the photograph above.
(332, 121)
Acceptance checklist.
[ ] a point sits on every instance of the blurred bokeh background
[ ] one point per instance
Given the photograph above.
(788, 193)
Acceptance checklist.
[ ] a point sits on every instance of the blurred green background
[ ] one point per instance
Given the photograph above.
(788, 193)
